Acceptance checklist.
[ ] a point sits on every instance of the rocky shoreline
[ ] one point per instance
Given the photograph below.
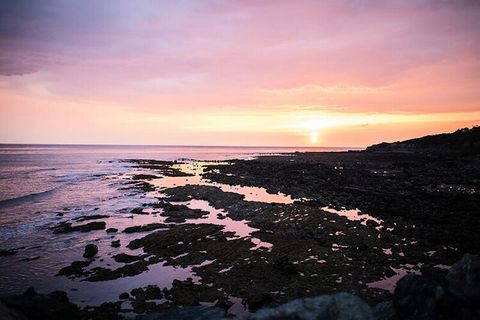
(427, 296)
(352, 222)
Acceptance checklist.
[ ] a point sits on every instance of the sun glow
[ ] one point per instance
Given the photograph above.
(314, 137)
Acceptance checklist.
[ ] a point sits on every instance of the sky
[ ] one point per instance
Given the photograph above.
(268, 73)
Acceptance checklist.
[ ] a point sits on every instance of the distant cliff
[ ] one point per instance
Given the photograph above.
(466, 141)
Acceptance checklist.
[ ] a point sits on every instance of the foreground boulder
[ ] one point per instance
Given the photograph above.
(431, 296)
(419, 298)
(464, 278)
(340, 306)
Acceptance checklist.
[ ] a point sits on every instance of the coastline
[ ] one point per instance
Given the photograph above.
(327, 235)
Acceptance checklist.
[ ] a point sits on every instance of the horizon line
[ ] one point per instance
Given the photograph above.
(173, 145)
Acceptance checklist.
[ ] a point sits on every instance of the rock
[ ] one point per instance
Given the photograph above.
(106, 311)
(123, 296)
(187, 313)
(144, 177)
(31, 258)
(126, 258)
(92, 217)
(74, 269)
(223, 304)
(143, 228)
(7, 313)
(115, 243)
(128, 270)
(90, 251)
(464, 278)
(385, 311)
(285, 266)
(54, 306)
(138, 211)
(136, 291)
(257, 300)
(8, 252)
(111, 230)
(416, 298)
(67, 227)
(153, 292)
(341, 306)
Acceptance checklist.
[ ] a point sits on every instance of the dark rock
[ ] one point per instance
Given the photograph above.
(115, 243)
(128, 270)
(147, 227)
(258, 300)
(8, 252)
(106, 311)
(126, 258)
(31, 258)
(76, 268)
(187, 313)
(223, 304)
(67, 227)
(418, 298)
(464, 278)
(385, 311)
(285, 266)
(7, 313)
(92, 217)
(341, 306)
(144, 177)
(136, 291)
(179, 213)
(90, 251)
(138, 211)
(153, 292)
(54, 306)
(124, 296)
(111, 230)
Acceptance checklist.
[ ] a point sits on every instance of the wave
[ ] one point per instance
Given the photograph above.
(26, 198)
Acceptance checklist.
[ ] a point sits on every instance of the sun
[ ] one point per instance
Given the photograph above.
(313, 137)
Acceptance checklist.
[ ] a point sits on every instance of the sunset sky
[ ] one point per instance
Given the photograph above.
(289, 73)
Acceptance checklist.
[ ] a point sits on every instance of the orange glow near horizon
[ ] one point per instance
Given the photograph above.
(234, 73)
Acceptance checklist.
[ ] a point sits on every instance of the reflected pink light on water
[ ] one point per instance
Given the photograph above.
(239, 227)
(197, 168)
(353, 215)
(389, 284)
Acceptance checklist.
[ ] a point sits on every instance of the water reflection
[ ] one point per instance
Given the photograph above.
(197, 168)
